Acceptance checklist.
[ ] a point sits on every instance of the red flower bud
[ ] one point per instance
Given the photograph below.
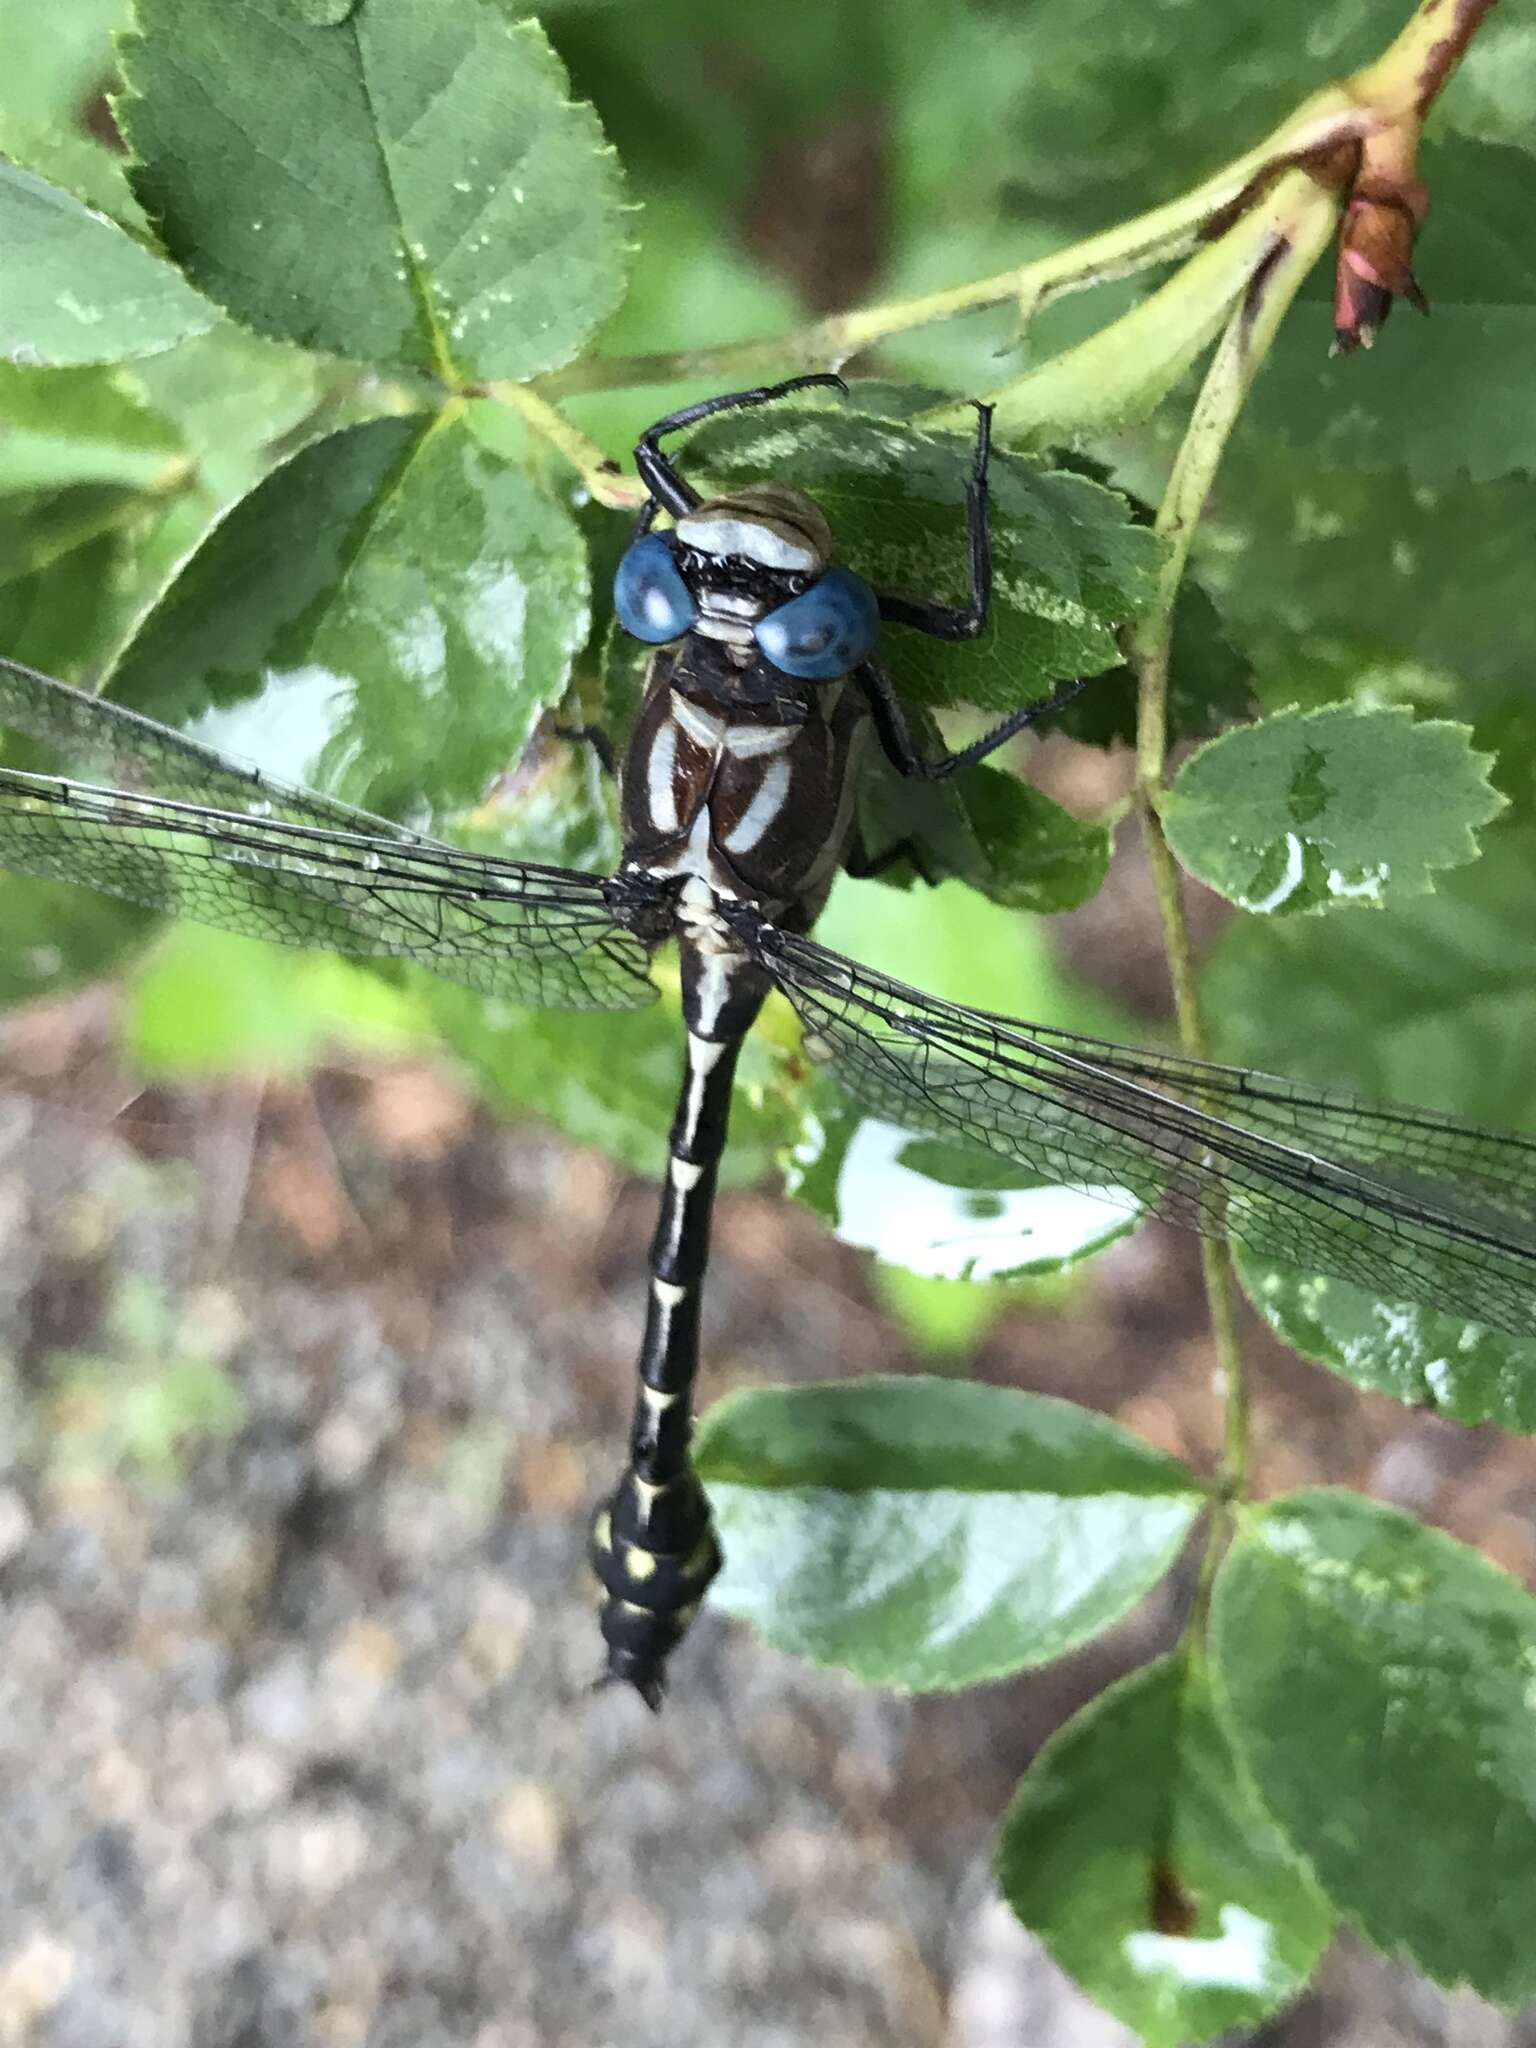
(1375, 262)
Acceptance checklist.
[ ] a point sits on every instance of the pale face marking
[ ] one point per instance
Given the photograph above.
(685, 1175)
(723, 533)
(668, 1294)
(733, 631)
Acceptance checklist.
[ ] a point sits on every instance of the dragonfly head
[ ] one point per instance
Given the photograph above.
(752, 568)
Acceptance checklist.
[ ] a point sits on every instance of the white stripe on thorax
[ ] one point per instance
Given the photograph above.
(660, 794)
(747, 742)
(763, 809)
(700, 726)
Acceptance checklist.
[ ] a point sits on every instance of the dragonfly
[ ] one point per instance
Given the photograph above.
(737, 791)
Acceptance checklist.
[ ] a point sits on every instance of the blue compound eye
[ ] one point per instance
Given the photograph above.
(649, 594)
(825, 631)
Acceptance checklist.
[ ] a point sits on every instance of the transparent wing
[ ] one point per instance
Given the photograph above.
(103, 742)
(1413, 1207)
(285, 864)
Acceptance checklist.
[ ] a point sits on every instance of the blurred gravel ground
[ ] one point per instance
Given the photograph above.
(296, 1747)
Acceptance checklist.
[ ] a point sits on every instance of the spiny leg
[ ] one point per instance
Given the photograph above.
(901, 749)
(948, 621)
(865, 866)
(669, 490)
(598, 740)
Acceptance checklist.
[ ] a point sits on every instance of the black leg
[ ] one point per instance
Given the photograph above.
(594, 737)
(958, 622)
(666, 487)
(896, 738)
(864, 866)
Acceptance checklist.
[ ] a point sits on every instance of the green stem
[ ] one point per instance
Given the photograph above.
(1122, 372)
(1166, 232)
(598, 471)
(1393, 91)
(1411, 73)
(1302, 222)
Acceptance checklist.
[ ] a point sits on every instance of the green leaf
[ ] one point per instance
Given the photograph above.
(941, 1320)
(1210, 682)
(209, 1002)
(954, 944)
(1376, 1678)
(1070, 566)
(941, 1210)
(232, 394)
(1034, 855)
(692, 277)
(1445, 396)
(930, 1533)
(1413, 1353)
(75, 289)
(40, 528)
(1137, 1849)
(558, 806)
(1335, 580)
(1307, 811)
(608, 1081)
(1118, 376)
(1495, 83)
(1090, 107)
(56, 938)
(985, 827)
(409, 187)
(1427, 1002)
(64, 618)
(60, 427)
(50, 87)
(387, 615)
(321, 13)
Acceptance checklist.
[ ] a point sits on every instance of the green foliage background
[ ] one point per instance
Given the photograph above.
(278, 476)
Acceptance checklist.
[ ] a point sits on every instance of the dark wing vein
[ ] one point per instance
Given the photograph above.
(104, 743)
(1369, 1193)
(1332, 1121)
(191, 831)
(531, 934)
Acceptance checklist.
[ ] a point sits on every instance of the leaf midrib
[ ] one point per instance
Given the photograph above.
(415, 270)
